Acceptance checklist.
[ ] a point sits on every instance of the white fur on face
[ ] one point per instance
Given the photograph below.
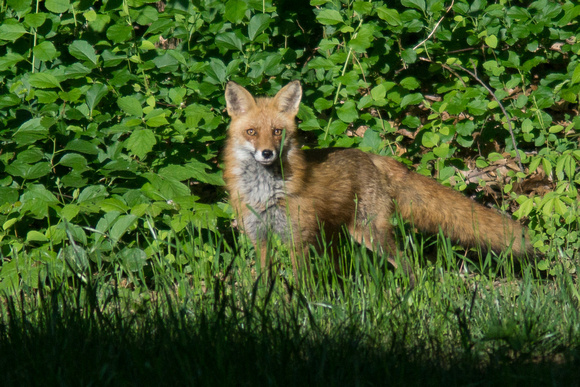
(260, 157)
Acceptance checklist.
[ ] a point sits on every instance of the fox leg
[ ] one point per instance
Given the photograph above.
(377, 235)
(265, 263)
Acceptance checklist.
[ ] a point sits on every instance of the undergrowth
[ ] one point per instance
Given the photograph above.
(461, 324)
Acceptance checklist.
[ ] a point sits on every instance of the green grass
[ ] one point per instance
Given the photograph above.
(207, 318)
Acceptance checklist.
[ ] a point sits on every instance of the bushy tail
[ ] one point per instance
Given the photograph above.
(431, 206)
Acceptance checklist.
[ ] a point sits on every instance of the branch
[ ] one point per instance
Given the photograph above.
(508, 119)
(436, 25)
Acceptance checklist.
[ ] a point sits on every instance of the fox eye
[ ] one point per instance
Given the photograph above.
(251, 132)
(277, 132)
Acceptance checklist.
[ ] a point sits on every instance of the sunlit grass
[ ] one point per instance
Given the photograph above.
(201, 313)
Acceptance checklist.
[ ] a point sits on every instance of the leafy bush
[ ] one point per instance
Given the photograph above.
(111, 113)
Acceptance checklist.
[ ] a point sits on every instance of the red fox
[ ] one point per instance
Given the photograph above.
(310, 197)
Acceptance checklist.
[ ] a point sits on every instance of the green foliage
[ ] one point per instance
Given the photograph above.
(111, 114)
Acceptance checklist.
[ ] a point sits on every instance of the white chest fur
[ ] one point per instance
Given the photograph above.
(262, 190)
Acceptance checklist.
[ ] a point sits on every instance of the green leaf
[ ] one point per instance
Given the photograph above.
(363, 8)
(76, 70)
(9, 100)
(95, 94)
(36, 200)
(217, 71)
(363, 39)
(19, 6)
(27, 171)
(164, 187)
(322, 104)
(465, 128)
(199, 172)
(329, 17)
(8, 195)
(11, 30)
(379, 92)
(518, 13)
(82, 50)
(9, 60)
(30, 131)
(69, 211)
(156, 118)
(410, 83)
(57, 6)
(178, 172)
(391, 16)
(147, 16)
(411, 99)
(258, 24)
(82, 146)
(74, 179)
(418, 4)
(30, 156)
(36, 236)
(192, 170)
(121, 226)
(442, 151)
(119, 33)
(113, 204)
(46, 97)
(74, 161)
(491, 41)
(430, 139)
(131, 106)
(229, 41)
(347, 112)
(544, 265)
(134, 259)
(235, 10)
(371, 140)
(167, 63)
(576, 75)
(35, 20)
(411, 121)
(44, 81)
(141, 142)
(409, 55)
(477, 107)
(321, 63)
(92, 194)
(45, 51)
(157, 121)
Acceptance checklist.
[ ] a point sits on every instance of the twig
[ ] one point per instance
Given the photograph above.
(436, 26)
(446, 67)
(508, 119)
(474, 75)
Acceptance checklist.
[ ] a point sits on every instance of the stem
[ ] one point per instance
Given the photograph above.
(508, 119)
(34, 41)
(435, 27)
(474, 76)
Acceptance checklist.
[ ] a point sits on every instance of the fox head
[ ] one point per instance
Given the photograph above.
(259, 125)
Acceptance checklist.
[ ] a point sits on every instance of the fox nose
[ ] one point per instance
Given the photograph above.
(267, 154)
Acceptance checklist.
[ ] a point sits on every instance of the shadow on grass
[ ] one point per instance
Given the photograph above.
(59, 338)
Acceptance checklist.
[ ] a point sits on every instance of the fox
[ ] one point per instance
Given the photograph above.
(312, 197)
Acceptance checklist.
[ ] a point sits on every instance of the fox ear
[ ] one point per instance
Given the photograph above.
(288, 98)
(239, 101)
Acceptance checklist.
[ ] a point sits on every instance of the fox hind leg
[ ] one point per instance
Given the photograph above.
(377, 235)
